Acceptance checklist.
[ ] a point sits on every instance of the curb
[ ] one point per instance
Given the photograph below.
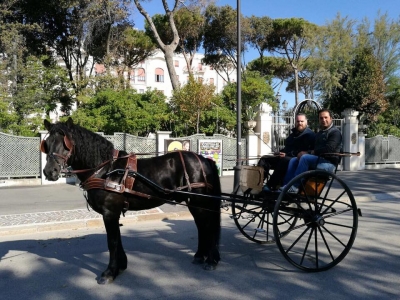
(88, 223)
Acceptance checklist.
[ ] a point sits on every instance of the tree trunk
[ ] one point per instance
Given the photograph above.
(296, 81)
(169, 60)
(168, 50)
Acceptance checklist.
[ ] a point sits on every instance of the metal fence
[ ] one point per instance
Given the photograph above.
(19, 156)
(382, 150)
(131, 143)
(228, 147)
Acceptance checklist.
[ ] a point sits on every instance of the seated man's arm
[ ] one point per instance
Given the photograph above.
(331, 145)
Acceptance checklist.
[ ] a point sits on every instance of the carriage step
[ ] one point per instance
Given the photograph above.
(260, 230)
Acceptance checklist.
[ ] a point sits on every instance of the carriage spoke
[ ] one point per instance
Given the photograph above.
(328, 223)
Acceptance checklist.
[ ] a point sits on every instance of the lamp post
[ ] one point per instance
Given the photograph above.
(276, 120)
(237, 168)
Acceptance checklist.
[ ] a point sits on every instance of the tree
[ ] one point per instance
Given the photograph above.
(190, 26)
(333, 48)
(42, 86)
(191, 100)
(69, 30)
(167, 48)
(384, 40)
(220, 39)
(291, 39)
(7, 117)
(126, 111)
(256, 89)
(363, 89)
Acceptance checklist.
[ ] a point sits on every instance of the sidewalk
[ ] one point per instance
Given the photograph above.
(56, 207)
(43, 208)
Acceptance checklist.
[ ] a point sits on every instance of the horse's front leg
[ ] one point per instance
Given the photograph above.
(118, 259)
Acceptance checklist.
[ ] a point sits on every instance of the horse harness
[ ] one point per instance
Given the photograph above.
(125, 184)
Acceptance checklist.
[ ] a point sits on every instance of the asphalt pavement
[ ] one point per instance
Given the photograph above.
(27, 209)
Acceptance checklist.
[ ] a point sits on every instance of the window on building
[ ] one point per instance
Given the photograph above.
(176, 63)
(141, 74)
(211, 80)
(141, 91)
(200, 79)
(159, 75)
(200, 67)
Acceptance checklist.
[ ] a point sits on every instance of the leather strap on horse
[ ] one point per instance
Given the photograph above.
(110, 185)
(126, 183)
(189, 185)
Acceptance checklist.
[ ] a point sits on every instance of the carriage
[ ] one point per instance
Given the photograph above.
(313, 228)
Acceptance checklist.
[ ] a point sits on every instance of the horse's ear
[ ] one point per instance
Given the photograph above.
(69, 122)
(47, 124)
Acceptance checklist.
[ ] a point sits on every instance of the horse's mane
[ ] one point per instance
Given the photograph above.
(91, 148)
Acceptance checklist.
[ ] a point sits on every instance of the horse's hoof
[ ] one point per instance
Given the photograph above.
(210, 267)
(105, 280)
(198, 260)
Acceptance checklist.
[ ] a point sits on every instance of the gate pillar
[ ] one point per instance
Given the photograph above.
(252, 148)
(350, 139)
(264, 125)
(160, 144)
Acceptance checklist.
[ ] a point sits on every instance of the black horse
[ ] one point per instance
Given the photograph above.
(91, 156)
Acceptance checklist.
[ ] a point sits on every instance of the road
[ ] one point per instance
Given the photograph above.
(64, 264)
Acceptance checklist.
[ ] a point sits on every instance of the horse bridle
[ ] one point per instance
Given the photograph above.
(68, 144)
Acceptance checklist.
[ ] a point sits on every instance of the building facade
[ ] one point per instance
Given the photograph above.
(153, 73)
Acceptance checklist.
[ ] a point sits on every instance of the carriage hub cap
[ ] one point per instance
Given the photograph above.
(320, 220)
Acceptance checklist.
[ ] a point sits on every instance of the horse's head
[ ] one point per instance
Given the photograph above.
(59, 147)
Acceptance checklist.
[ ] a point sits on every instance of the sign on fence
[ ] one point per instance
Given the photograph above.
(174, 145)
(212, 149)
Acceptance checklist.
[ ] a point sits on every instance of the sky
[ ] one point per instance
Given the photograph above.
(315, 11)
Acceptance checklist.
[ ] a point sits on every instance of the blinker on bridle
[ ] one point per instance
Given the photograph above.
(68, 144)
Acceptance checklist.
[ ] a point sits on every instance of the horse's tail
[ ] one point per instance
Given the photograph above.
(216, 183)
(216, 191)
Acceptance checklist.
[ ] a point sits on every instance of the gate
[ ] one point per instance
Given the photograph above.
(382, 152)
(282, 125)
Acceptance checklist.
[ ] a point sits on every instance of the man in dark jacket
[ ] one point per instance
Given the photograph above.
(300, 139)
(327, 140)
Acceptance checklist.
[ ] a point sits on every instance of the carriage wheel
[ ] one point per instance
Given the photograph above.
(327, 225)
(254, 217)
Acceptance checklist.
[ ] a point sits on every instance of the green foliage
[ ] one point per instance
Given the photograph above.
(255, 90)
(126, 111)
(386, 124)
(190, 26)
(334, 50)
(363, 89)
(188, 104)
(7, 118)
(220, 37)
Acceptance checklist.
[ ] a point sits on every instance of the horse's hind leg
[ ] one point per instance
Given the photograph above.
(208, 226)
(118, 259)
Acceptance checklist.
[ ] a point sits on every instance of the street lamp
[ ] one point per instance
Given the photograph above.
(284, 105)
(276, 120)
